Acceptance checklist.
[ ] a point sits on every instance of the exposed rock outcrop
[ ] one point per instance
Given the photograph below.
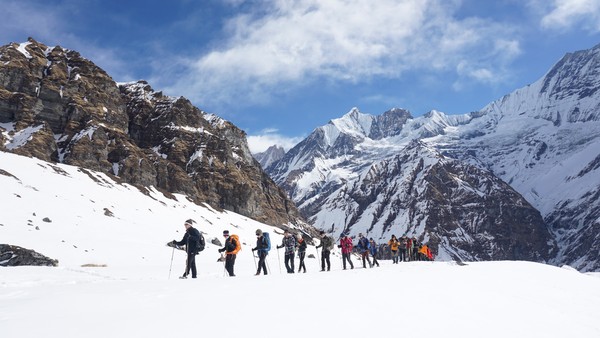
(11, 255)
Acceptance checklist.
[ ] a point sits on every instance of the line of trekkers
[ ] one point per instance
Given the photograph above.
(403, 249)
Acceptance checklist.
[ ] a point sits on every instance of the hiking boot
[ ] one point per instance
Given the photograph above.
(183, 277)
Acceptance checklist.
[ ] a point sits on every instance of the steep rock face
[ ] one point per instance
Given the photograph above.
(57, 106)
(207, 150)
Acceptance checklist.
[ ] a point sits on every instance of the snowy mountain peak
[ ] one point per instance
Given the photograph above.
(271, 155)
(353, 123)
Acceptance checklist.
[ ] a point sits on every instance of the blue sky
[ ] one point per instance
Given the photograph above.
(280, 68)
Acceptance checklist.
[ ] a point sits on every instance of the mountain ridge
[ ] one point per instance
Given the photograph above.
(58, 106)
(545, 132)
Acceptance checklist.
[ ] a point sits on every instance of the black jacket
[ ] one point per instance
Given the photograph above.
(190, 240)
(302, 246)
(230, 245)
(261, 244)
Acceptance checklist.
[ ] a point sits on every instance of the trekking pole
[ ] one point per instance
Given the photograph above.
(268, 266)
(171, 266)
(318, 256)
(255, 265)
(279, 260)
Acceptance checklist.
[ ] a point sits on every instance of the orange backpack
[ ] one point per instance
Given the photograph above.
(238, 245)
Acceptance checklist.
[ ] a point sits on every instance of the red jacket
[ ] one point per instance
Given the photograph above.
(346, 244)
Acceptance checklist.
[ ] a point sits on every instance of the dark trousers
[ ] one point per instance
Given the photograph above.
(365, 259)
(301, 255)
(325, 259)
(229, 263)
(375, 262)
(346, 257)
(402, 253)
(262, 256)
(394, 256)
(190, 265)
(289, 262)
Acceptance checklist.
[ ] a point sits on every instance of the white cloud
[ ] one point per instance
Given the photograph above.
(269, 137)
(292, 43)
(569, 13)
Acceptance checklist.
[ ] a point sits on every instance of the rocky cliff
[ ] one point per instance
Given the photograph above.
(58, 106)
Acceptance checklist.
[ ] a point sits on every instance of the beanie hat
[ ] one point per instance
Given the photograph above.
(190, 221)
(226, 232)
(258, 232)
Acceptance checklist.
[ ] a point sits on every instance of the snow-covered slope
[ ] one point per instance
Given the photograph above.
(543, 140)
(491, 299)
(83, 217)
(129, 287)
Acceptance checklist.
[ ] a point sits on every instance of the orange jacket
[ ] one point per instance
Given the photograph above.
(393, 244)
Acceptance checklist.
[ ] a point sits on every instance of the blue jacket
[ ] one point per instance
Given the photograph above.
(363, 244)
(373, 249)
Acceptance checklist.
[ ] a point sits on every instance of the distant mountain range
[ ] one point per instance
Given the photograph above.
(519, 179)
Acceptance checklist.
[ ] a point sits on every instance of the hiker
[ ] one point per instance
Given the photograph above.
(346, 246)
(363, 249)
(262, 246)
(373, 250)
(402, 249)
(301, 245)
(415, 250)
(289, 243)
(231, 248)
(393, 244)
(409, 249)
(425, 253)
(190, 240)
(327, 245)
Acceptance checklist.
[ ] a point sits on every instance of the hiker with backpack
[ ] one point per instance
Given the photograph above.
(363, 248)
(393, 244)
(402, 248)
(346, 246)
(289, 243)
(373, 251)
(327, 245)
(194, 243)
(263, 245)
(415, 250)
(231, 248)
(301, 245)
